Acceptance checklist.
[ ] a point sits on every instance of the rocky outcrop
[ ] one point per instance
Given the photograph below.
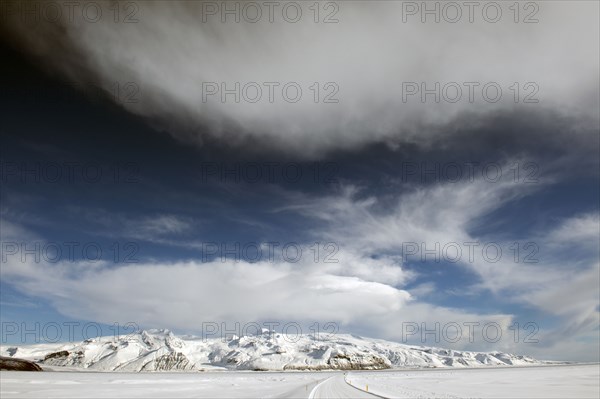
(343, 361)
(12, 364)
(174, 361)
(56, 355)
(63, 358)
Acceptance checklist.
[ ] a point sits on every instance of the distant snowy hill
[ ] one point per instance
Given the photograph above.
(161, 350)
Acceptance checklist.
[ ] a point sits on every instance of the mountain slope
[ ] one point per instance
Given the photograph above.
(161, 350)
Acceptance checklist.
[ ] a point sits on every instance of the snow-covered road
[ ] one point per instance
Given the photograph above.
(337, 387)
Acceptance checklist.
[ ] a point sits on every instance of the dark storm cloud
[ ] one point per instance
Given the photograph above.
(175, 54)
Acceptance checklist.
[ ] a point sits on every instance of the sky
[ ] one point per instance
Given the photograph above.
(425, 173)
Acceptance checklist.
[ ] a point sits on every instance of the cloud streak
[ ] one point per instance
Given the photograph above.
(365, 290)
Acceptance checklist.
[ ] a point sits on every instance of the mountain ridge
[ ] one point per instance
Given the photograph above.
(161, 350)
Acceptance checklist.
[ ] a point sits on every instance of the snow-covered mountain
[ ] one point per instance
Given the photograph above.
(161, 350)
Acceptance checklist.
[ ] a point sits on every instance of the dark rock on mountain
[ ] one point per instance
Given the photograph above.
(10, 363)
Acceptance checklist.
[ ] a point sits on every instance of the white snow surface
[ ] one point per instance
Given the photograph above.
(15, 384)
(571, 381)
(566, 381)
(161, 350)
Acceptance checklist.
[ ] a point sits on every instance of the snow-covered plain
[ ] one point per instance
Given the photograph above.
(572, 381)
(157, 385)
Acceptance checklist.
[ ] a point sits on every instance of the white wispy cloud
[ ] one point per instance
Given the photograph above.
(364, 290)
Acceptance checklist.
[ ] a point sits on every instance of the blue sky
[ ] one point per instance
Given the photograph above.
(161, 193)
